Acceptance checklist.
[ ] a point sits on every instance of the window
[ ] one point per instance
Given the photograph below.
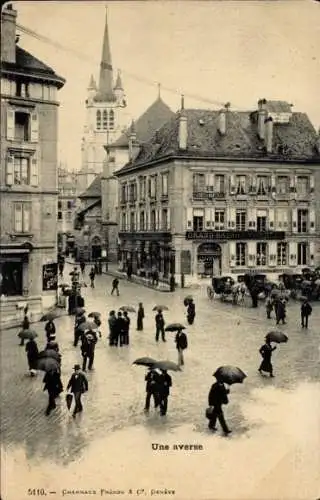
(220, 184)
(68, 216)
(59, 215)
(241, 253)
(164, 219)
(98, 119)
(123, 193)
(262, 185)
(132, 192)
(302, 254)
(198, 220)
(59, 205)
(283, 184)
(164, 185)
(11, 278)
(153, 220)
(111, 119)
(261, 253)
(210, 183)
(241, 184)
(302, 216)
(123, 221)
(142, 221)
(261, 220)
(69, 205)
(21, 126)
(142, 188)
(219, 220)
(199, 182)
(302, 185)
(152, 187)
(105, 119)
(132, 221)
(21, 171)
(282, 254)
(22, 213)
(241, 220)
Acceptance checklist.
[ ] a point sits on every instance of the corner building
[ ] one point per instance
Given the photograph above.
(28, 178)
(224, 192)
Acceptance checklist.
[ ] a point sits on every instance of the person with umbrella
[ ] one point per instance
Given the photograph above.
(181, 341)
(165, 382)
(140, 317)
(25, 326)
(77, 385)
(269, 306)
(50, 328)
(126, 328)
(280, 310)
(52, 343)
(191, 312)
(266, 353)
(305, 311)
(119, 329)
(115, 286)
(218, 396)
(52, 384)
(112, 321)
(88, 344)
(82, 267)
(159, 319)
(152, 388)
(77, 331)
(32, 356)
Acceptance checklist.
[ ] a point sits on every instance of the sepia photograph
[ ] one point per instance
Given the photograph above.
(160, 250)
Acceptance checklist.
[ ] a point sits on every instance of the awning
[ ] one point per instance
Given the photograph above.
(8, 251)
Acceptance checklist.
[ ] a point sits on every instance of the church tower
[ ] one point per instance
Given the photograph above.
(105, 117)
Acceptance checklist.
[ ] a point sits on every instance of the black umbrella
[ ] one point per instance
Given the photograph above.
(174, 327)
(230, 375)
(50, 353)
(276, 336)
(28, 334)
(94, 314)
(87, 325)
(160, 308)
(79, 311)
(127, 309)
(167, 365)
(48, 365)
(146, 361)
(50, 316)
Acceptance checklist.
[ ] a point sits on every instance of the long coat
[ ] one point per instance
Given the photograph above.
(78, 383)
(32, 354)
(218, 395)
(140, 317)
(52, 383)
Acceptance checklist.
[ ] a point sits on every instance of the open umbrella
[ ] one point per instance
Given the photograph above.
(167, 365)
(127, 309)
(230, 374)
(276, 336)
(160, 308)
(50, 316)
(87, 325)
(48, 364)
(174, 327)
(79, 311)
(94, 314)
(28, 334)
(146, 361)
(50, 353)
(187, 300)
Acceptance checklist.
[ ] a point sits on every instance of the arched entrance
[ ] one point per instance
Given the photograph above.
(95, 248)
(209, 259)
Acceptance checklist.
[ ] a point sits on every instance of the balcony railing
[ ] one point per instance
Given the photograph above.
(150, 228)
(203, 195)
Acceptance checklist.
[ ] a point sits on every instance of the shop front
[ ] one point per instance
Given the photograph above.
(209, 259)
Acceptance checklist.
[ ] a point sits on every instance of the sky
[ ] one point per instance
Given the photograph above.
(219, 51)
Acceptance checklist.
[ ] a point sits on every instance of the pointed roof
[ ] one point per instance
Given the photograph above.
(92, 84)
(94, 190)
(147, 124)
(105, 88)
(118, 84)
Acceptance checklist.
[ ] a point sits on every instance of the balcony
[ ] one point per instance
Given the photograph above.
(164, 197)
(202, 195)
(22, 146)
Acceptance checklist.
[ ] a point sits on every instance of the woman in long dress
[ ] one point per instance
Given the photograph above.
(266, 353)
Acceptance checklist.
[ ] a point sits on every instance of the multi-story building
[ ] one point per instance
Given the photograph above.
(223, 192)
(105, 117)
(67, 205)
(28, 177)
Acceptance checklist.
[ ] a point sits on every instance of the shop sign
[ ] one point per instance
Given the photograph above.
(50, 277)
(235, 235)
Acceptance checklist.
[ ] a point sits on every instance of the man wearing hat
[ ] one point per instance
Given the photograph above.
(78, 384)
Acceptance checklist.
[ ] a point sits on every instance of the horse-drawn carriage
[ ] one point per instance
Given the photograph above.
(223, 287)
(306, 284)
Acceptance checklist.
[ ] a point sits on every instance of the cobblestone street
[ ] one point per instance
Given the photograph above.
(274, 421)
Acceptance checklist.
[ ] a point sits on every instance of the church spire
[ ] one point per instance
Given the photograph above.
(105, 89)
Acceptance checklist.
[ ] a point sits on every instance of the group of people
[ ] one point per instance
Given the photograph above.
(278, 305)
(119, 328)
(157, 387)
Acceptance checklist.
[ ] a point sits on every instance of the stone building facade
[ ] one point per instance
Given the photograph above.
(28, 178)
(224, 192)
(67, 205)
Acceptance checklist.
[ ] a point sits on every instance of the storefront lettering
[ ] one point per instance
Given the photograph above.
(235, 235)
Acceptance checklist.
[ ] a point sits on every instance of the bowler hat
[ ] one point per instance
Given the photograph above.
(77, 367)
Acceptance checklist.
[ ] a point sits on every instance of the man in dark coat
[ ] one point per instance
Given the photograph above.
(181, 341)
(53, 385)
(140, 317)
(89, 340)
(92, 276)
(280, 310)
(115, 286)
(159, 319)
(165, 382)
(218, 396)
(25, 326)
(126, 328)
(191, 312)
(78, 384)
(77, 332)
(50, 328)
(113, 335)
(32, 355)
(306, 311)
(120, 327)
(152, 388)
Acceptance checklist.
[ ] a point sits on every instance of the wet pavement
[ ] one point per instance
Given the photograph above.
(272, 452)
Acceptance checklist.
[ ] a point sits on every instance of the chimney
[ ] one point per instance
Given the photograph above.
(133, 144)
(222, 125)
(262, 115)
(8, 34)
(183, 132)
(269, 134)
